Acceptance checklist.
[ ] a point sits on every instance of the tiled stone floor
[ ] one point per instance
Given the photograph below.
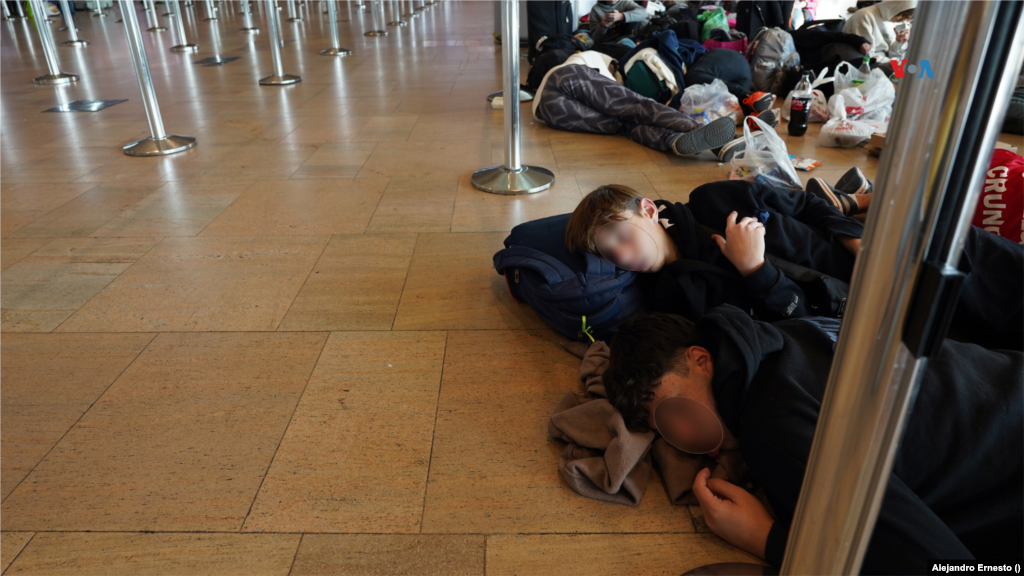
(286, 350)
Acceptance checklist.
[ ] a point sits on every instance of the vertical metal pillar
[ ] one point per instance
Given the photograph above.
(49, 50)
(336, 48)
(179, 27)
(152, 18)
(278, 78)
(512, 177)
(159, 143)
(375, 7)
(210, 14)
(292, 15)
(396, 10)
(411, 11)
(249, 28)
(69, 23)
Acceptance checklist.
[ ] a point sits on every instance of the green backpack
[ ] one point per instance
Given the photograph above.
(642, 80)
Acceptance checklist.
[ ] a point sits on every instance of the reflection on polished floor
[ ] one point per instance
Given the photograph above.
(285, 350)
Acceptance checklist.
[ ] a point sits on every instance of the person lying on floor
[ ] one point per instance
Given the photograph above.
(583, 95)
(693, 269)
(731, 382)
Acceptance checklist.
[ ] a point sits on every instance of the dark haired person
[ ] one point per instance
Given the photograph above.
(875, 23)
(956, 490)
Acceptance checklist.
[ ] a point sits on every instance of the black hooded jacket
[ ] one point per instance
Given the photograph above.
(801, 228)
(956, 486)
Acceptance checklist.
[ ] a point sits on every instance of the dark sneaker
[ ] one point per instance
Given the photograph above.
(854, 182)
(714, 135)
(758, 102)
(769, 117)
(845, 203)
(725, 153)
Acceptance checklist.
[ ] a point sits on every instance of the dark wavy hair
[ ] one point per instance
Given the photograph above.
(643, 350)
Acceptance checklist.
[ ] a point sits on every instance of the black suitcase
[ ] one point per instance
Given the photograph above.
(547, 18)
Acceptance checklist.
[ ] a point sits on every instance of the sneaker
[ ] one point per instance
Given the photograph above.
(758, 102)
(769, 117)
(725, 153)
(854, 182)
(714, 135)
(845, 203)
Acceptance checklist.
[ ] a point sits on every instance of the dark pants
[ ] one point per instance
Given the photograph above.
(579, 99)
(990, 311)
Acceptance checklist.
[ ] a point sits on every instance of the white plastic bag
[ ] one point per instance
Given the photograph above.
(840, 131)
(765, 158)
(818, 111)
(872, 105)
(707, 102)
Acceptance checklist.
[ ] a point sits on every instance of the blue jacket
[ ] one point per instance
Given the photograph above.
(674, 53)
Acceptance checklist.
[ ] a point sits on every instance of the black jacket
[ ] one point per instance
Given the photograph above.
(819, 48)
(729, 66)
(801, 228)
(956, 485)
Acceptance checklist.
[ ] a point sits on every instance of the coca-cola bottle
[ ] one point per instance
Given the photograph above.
(800, 107)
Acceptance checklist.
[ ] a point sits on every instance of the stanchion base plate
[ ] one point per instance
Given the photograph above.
(185, 48)
(75, 43)
(280, 80)
(62, 78)
(156, 29)
(336, 52)
(376, 33)
(398, 23)
(99, 15)
(248, 30)
(732, 569)
(209, 19)
(410, 15)
(294, 20)
(169, 144)
(500, 180)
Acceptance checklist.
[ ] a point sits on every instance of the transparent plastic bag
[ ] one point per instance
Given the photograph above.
(818, 111)
(871, 105)
(707, 102)
(840, 131)
(765, 158)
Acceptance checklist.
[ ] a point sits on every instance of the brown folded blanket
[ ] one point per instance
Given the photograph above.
(606, 461)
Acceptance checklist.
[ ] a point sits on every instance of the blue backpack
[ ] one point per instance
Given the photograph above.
(582, 296)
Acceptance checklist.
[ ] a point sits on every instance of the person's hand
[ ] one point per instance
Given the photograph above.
(743, 244)
(733, 513)
(852, 244)
(611, 18)
(865, 48)
(903, 36)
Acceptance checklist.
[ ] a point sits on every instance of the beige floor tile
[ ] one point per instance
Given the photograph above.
(298, 207)
(478, 211)
(176, 209)
(386, 129)
(458, 127)
(428, 159)
(243, 131)
(356, 454)
(493, 469)
(336, 160)
(11, 157)
(355, 285)
(608, 554)
(610, 154)
(14, 249)
(59, 166)
(231, 163)
(389, 555)
(190, 428)
(328, 128)
(447, 287)
(99, 554)
(38, 296)
(89, 211)
(416, 205)
(93, 250)
(135, 170)
(49, 381)
(675, 184)
(20, 204)
(11, 544)
(220, 284)
(636, 180)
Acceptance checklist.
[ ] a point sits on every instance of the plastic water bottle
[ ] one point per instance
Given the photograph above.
(800, 106)
(863, 73)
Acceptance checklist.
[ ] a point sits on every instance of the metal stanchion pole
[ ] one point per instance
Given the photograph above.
(512, 177)
(153, 19)
(395, 10)
(210, 14)
(412, 10)
(249, 28)
(99, 11)
(292, 15)
(7, 11)
(69, 22)
(335, 49)
(179, 26)
(377, 28)
(360, 5)
(279, 78)
(49, 51)
(159, 143)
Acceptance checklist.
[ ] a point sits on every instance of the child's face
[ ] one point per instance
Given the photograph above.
(634, 244)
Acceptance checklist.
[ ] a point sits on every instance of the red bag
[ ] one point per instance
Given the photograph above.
(1001, 205)
(737, 45)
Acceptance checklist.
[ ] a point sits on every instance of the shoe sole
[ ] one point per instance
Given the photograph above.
(822, 189)
(862, 186)
(715, 135)
(731, 149)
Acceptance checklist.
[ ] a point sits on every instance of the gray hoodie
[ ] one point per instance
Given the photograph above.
(631, 12)
(873, 23)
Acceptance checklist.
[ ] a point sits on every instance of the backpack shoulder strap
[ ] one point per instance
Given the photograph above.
(551, 269)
